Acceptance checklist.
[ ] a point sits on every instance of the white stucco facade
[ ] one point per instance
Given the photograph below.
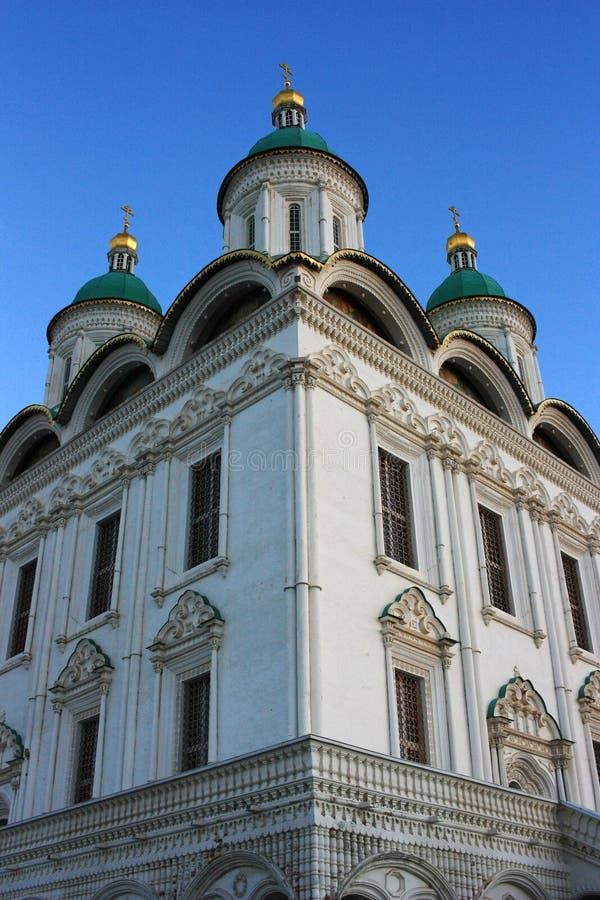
(297, 370)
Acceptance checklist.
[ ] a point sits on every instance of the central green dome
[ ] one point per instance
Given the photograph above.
(118, 286)
(464, 283)
(291, 137)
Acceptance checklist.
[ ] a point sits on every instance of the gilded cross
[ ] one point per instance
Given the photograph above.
(128, 212)
(455, 215)
(286, 73)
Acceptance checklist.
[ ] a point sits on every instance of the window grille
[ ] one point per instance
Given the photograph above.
(107, 535)
(194, 743)
(120, 261)
(203, 543)
(295, 243)
(395, 505)
(596, 746)
(411, 721)
(576, 601)
(86, 759)
(22, 608)
(251, 232)
(495, 559)
(289, 118)
(337, 231)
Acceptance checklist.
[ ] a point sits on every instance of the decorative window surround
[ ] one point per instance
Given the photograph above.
(417, 642)
(109, 616)
(82, 688)
(525, 742)
(588, 699)
(385, 564)
(218, 564)
(11, 756)
(187, 645)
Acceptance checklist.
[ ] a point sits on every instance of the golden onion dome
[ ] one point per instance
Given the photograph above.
(287, 97)
(458, 240)
(124, 239)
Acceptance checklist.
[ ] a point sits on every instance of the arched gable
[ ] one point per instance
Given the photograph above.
(125, 889)
(515, 884)
(385, 298)
(489, 373)
(238, 874)
(395, 874)
(28, 438)
(195, 304)
(105, 371)
(561, 430)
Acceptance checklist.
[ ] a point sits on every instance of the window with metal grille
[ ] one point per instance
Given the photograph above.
(495, 559)
(203, 542)
(596, 746)
(20, 621)
(411, 720)
(576, 601)
(395, 507)
(194, 739)
(107, 535)
(295, 242)
(120, 261)
(250, 232)
(87, 740)
(337, 233)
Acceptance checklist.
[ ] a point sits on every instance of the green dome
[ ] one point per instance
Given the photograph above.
(464, 283)
(118, 286)
(291, 137)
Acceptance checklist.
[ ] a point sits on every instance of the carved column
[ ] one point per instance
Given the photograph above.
(156, 721)
(57, 707)
(440, 516)
(115, 595)
(466, 649)
(377, 508)
(388, 641)
(99, 764)
(224, 487)
(532, 587)
(70, 560)
(263, 219)
(316, 633)
(213, 706)
(481, 559)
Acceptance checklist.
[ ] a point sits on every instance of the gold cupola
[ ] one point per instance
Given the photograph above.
(122, 250)
(460, 246)
(288, 105)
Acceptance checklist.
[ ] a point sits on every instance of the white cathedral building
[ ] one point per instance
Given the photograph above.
(299, 580)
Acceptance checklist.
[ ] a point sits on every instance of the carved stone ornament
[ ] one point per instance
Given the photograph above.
(88, 669)
(262, 365)
(589, 698)
(192, 618)
(411, 619)
(335, 365)
(518, 718)
(11, 745)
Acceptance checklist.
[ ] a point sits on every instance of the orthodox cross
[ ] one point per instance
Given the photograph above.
(286, 74)
(455, 215)
(128, 212)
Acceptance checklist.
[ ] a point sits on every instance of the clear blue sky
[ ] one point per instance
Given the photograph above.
(493, 107)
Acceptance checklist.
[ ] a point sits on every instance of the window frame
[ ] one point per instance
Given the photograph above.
(19, 611)
(184, 680)
(508, 608)
(577, 606)
(411, 560)
(421, 742)
(97, 572)
(295, 229)
(193, 556)
(80, 721)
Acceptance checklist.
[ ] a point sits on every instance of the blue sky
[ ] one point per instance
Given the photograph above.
(493, 107)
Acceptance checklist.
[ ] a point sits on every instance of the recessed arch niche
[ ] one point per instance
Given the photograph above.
(231, 306)
(127, 381)
(33, 450)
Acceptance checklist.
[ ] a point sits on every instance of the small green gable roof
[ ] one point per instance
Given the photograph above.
(118, 286)
(464, 283)
(291, 137)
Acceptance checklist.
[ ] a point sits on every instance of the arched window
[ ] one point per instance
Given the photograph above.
(337, 233)
(295, 243)
(250, 232)
(464, 260)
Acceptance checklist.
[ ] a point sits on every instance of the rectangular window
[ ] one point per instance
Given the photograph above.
(107, 536)
(576, 601)
(203, 542)
(337, 232)
(24, 597)
(87, 740)
(194, 741)
(251, 232)
(495, 559)
(411, 720)
(295, 242)
(395, 505)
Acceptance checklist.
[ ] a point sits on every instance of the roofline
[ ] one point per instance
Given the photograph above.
(577, 419)
(78, 384)
(508, 300)
(280, 151)
(495, 355)
(17, 420)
